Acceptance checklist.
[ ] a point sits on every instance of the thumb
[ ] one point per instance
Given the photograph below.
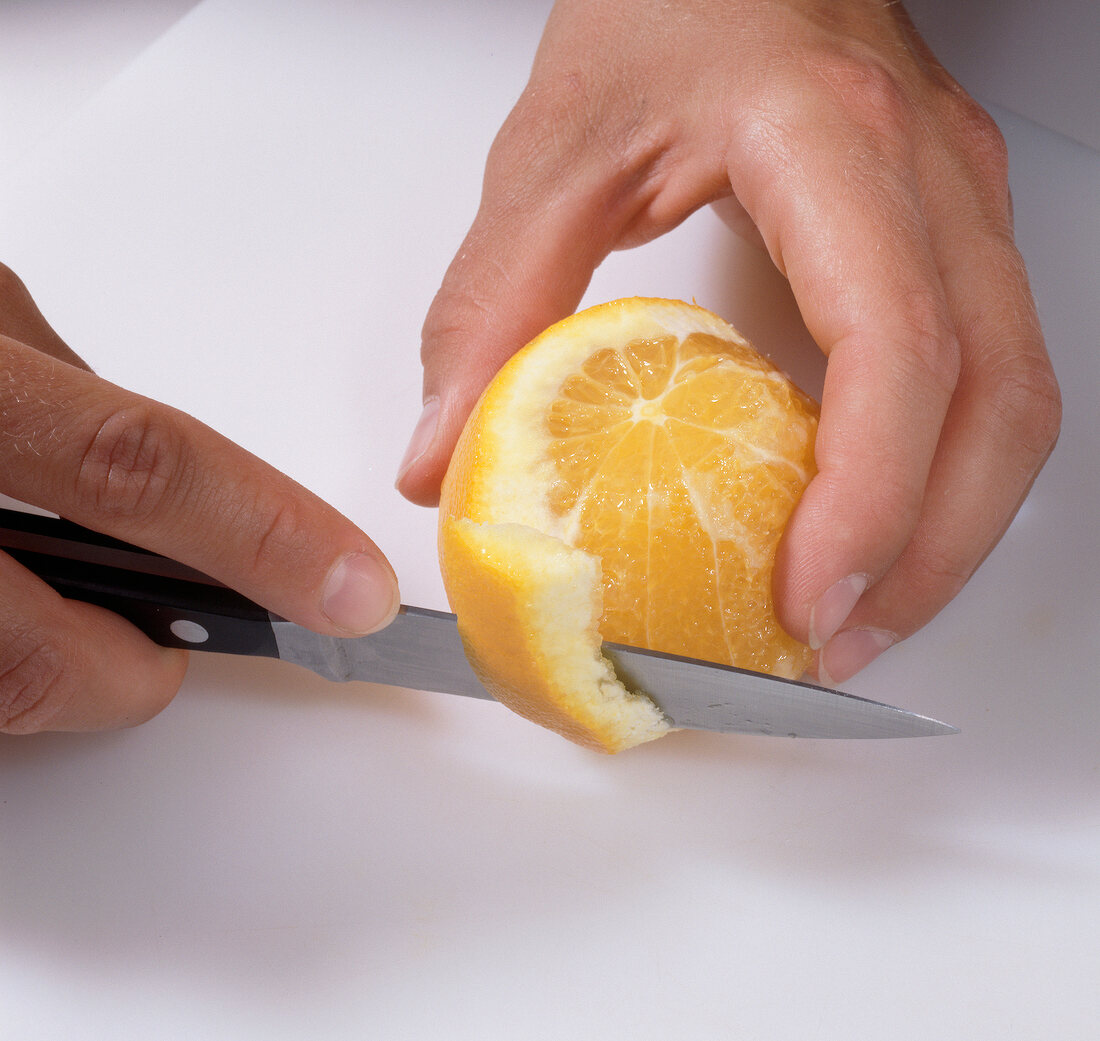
(486, 309)
(543, 226)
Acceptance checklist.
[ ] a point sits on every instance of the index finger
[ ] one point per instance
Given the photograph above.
(144, 472)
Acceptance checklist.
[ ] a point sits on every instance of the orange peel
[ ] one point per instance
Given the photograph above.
(625, 477)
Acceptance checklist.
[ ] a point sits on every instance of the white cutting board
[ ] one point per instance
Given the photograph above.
(249, 222)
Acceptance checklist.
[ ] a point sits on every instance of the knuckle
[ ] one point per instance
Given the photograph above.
(883, 512)
(891, 503)
(985, 143)
(942, 573)
(34, 686)
(946, 558)
(272, 536)
(559, 112)
(568, 122)
(930, 358)
(935, 360)
(281, 538)
(135, 460)
(1026, 402)
(546, 127)
(869, 94)
(986, 151)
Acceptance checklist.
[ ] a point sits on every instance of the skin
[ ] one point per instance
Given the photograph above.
(826, 131)
(136, 469)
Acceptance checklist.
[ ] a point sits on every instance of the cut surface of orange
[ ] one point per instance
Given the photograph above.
(626, 477)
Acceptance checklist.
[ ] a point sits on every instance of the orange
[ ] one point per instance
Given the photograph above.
(626, 477)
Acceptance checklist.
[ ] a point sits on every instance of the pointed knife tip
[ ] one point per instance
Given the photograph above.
(936, 728)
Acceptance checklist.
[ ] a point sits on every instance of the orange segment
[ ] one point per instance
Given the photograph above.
(649, 437)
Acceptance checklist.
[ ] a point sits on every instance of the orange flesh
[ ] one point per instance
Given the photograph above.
(688, 550)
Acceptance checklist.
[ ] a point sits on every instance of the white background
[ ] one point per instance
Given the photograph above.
(244, 209)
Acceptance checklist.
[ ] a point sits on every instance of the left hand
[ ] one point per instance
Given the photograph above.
(828, 131)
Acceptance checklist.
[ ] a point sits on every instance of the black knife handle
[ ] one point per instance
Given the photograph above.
(174, 605)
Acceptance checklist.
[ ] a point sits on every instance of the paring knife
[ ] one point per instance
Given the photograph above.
(177, 606)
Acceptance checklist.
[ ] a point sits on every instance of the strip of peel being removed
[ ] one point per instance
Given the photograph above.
(528, 608)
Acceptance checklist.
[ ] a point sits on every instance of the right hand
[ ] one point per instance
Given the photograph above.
(124, 465)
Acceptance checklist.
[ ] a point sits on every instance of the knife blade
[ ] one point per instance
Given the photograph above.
(421, 649)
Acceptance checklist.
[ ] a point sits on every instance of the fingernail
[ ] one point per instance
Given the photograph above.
(848, 652)
(833, 607)
(360, 595)
(422, 436)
